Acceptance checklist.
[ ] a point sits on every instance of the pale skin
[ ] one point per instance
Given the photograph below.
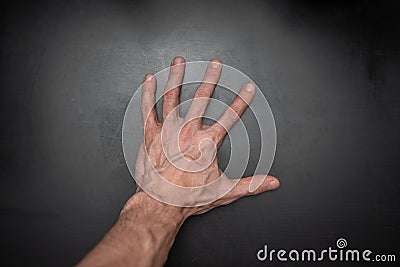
(146, 228)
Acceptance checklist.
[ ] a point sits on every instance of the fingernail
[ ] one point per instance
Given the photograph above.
(215, 65)
(177, 60)
(250, 88)
(148, 78)
(273, 184)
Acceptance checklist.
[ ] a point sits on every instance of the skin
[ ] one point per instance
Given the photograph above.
(146, 228)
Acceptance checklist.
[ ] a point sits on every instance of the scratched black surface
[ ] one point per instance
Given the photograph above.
(329, 70)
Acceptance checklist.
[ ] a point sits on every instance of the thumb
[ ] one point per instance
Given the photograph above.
(254, 185)
(244, 186)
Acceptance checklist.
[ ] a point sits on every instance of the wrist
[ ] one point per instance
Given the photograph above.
(142, 207)
(154, 224)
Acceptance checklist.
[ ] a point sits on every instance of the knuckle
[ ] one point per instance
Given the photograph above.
(171, 94)
(145, 107)
(205, 89)
(148, 88)
(237, 106)
(215, 137)
(216, 132)
(203, 92)
(185, 134)
(232, 116)
(175, 70)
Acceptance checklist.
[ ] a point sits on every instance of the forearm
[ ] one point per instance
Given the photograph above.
(142, 236)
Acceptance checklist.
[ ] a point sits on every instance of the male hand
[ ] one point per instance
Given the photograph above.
(183, 152)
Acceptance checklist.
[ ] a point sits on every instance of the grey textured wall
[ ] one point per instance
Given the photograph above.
(329, 70)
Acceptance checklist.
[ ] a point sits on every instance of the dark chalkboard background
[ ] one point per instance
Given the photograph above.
(329, 69)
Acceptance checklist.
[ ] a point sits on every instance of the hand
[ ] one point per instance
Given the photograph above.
(183, 151)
